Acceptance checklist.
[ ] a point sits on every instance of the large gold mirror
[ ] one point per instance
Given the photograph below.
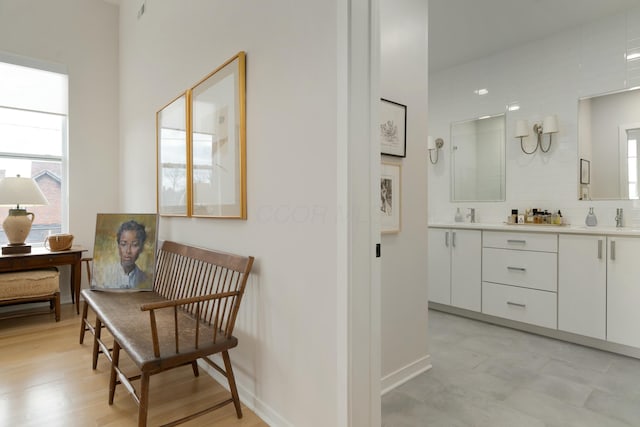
(218, 142)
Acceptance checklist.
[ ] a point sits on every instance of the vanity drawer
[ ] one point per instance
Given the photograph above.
(537, 270)
(524, 305)
(520, 241)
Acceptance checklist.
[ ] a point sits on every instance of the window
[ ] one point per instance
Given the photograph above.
(33, 138)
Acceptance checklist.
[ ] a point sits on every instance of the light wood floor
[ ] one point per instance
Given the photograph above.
(46, 379)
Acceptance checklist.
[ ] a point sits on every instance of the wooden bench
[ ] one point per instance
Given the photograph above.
(21, 287)
(189, 315)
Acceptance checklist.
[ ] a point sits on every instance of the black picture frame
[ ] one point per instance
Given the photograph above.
(393, 128)
(585, 171)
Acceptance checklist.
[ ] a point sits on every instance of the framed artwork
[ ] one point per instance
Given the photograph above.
(585, 171)
(390, 204)
(218, 146)
(172, 144)
(124, 252)
(393, 128)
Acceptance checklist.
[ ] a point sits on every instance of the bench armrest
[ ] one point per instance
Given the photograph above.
(185, 301)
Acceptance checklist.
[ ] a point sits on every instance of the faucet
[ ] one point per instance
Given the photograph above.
(472, 215)
(619, 217)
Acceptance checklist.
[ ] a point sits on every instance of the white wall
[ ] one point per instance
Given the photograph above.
(544, 77)
(286, 363)
(81, 35)
(403, 79)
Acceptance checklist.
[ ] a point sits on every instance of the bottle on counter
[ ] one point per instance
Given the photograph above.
(591, 219)
(458, 216)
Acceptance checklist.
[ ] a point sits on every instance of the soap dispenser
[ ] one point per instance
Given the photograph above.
(458, 216)
(591, 219)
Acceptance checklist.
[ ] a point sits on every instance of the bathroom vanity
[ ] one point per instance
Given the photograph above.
(578, 284)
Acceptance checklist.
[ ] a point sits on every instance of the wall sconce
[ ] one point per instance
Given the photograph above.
(548, 126)
(434, 145)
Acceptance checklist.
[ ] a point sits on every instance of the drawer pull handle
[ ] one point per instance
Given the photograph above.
(517, 268)
(446, 239)
(516, 304)
(599, 249)
(522, 242)
(613, 250)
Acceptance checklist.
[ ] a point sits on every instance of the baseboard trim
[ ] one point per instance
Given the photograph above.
(540, 330)
(404, 374)
(248, 399)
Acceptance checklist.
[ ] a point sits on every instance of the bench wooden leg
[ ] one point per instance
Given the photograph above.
(56, 302)
(114, 363)
(96, 336)
(194, 366)
(144, 399)
(232, 383)
(83, 328)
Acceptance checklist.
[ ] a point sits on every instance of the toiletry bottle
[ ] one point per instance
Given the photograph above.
(591, 219)
(514, 216)
(458, 216)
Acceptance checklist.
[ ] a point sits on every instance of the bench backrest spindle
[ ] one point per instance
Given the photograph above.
(189, 272)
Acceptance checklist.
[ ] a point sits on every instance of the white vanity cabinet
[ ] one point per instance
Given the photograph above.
(519, 276)
(582, 285)
(454, 267)
(623, 290)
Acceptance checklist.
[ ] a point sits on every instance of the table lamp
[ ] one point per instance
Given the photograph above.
(19, 191)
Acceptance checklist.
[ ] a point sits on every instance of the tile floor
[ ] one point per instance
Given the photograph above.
(486, 375)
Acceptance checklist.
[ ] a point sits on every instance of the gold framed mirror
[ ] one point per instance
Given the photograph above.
(218, 142)
(172, 158)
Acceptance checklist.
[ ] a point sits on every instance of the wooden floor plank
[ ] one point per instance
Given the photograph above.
(47, 380)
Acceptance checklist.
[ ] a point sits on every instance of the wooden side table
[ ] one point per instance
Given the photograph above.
(43, 258)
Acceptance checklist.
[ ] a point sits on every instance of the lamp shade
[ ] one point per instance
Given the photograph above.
(20, 191)
(522, 128)
(431, 143)
(550, 124)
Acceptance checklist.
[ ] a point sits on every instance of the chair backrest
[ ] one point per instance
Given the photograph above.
(187, 272)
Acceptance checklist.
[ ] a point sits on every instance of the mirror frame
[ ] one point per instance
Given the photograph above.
(173, 108)
(219, 113)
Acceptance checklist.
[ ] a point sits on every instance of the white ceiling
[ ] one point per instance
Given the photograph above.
(463, 30)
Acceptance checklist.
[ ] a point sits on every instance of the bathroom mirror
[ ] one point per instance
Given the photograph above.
(478, 159)
(608, 135)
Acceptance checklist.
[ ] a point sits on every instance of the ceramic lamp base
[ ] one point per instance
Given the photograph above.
(17, 226)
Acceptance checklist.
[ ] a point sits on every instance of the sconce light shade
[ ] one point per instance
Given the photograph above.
(550, 124)
(431, 143)
(522, 128)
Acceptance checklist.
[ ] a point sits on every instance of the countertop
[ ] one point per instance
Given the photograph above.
(541, 228)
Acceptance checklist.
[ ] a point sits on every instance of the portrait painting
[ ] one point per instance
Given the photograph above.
(124, 253)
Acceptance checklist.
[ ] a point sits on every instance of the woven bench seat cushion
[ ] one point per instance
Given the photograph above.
(120, 313)
(25, 284)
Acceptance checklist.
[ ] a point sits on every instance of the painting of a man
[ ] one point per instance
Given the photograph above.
(124, 259)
